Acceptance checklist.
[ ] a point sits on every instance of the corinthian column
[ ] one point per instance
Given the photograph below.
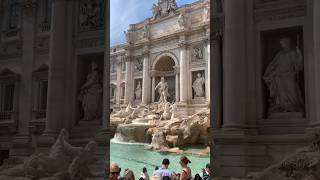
(25, 97)
(183, 72)
(129, 81)
(234, 64)
(57, 59)
(146, 78)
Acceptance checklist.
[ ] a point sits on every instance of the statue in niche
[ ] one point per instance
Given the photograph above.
(197, 53)
(138, 91)
(91, 95)
(282, 79)
(198, 86)
(162, 87)
(91, 14)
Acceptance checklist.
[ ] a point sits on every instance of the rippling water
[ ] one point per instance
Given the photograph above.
(135, 157)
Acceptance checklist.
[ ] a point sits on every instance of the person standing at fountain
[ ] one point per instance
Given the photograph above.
(114, 171)
(129, 174)
(144, 174)
(162, 87)
(163, 170)
(186, 171)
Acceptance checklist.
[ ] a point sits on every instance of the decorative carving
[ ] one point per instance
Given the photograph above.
(271, 10)
(63, 161)
(91, 95)
(206, 12)
(164, 8)
(197, 53)
(87, 43)
(29, 6)
(138, 65)
(281, 77)
(91, 15)
(146, 31)
(197, 86)
(129, 37)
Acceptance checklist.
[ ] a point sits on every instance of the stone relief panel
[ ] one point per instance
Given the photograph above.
(138, 64)
(197, 53)
(91, 15)
(283, 75)
(198, 84)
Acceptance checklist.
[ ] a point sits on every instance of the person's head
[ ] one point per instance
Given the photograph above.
(285, 43)
(166, 178)
(199, 74)
(165, 162)
(144, 170)
(197, 177)
(162, 79)
(184, 161)
(114, 171)
(129, 174)
(156, 168)
(208, 166)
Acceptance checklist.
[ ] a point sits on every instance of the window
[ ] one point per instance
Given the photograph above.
(13, 14)
(7, 97)
(113, 68)
(43, 89)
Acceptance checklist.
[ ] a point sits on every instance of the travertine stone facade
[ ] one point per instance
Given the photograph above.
(173, 44)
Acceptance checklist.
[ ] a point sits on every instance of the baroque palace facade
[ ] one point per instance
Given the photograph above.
(173, 44)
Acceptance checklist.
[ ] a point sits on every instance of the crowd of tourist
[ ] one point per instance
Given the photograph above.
(161, 173)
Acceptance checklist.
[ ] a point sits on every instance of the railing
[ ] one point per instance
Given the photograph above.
(39, 114)
(5, 115)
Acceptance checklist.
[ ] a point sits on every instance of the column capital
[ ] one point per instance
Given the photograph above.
(145, 51)
(183, 44)
(29, 7)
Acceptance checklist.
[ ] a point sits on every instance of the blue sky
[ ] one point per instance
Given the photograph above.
(125, 12)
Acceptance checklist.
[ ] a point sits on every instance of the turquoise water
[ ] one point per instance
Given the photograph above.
(135, 157)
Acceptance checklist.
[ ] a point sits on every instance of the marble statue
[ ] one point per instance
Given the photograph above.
(91, 14)
(206, 12)
(156, 9)
(181, 20)
(197, 53)
(172, 6)
(198, 86)
(162, 87)
(282, 79)
(64, 161)
(166, 115)
(138, 91)
(91, 95)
